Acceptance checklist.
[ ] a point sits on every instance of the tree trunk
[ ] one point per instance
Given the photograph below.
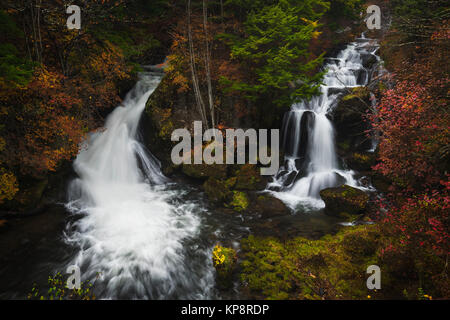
(208, 65)
(197, 93)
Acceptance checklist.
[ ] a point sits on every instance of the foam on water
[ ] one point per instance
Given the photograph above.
(130, 230)
(311, 163)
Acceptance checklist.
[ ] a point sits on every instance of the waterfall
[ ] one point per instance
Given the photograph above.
(311, 163)
(128, 232)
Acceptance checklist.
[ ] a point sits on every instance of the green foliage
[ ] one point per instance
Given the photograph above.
(151, 8)
(420, 9)
(414, 17)
(58, 290)
(275, 50)
(130, 47)
(14, 70)
(224, 260)
(348, 8)
(8, 27)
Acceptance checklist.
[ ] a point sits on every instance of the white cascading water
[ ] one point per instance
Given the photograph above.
(129, 234)
(311, 163)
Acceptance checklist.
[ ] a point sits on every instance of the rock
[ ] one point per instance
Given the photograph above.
(344, 201)
(368, 60)
(224, 261)
(248, 177)
(217, 191)
(361, 161)
(239, 202)
(269, 206)
(168, 170)
(349, 122)
(204, 171)
(291, 177)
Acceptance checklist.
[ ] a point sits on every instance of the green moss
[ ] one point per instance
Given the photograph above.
(248, 178)
(166, 130)
(57, 290)
(344, 201)
(302, 269)
(239, 202)
(231, 182)
(217, 191)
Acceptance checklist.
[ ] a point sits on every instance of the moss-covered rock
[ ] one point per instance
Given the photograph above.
(333, 267)
(248, 177)
(218, 191)
(224, 261)
(204, 171)
(239, 202)
(348, 118)
(361, 161)
(344, 201)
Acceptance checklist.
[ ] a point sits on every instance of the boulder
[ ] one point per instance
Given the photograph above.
(368, 60)
(361, 161)
(348, 119)
(268, 206)
(344, 201)
(248, 177)
(217, 191)
(204, 171)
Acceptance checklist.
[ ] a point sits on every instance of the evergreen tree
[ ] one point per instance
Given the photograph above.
(275, 50)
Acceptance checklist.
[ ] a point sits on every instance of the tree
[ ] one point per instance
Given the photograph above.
(274, 49)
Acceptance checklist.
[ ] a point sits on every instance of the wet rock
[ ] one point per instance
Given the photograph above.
(344, 201)
(291, 177)
(348, 118)
(268, 206)
(368, 60)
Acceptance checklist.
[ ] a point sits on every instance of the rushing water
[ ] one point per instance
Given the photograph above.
(311, 163)
(132, 231)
